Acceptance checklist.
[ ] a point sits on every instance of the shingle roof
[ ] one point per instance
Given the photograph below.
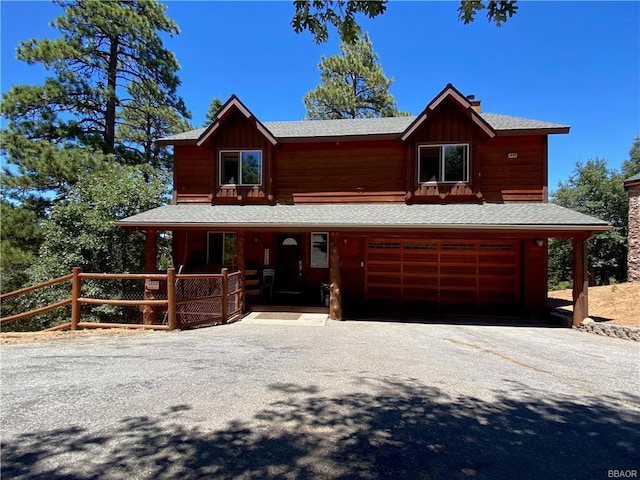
(633, 178)
(507, 122)
(370, 126)
(381, 216)
(338, 128)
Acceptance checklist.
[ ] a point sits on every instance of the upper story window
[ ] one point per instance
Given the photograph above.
(240, 167)
(443, 163)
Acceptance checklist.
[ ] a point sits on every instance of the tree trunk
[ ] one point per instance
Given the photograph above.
(110, 110)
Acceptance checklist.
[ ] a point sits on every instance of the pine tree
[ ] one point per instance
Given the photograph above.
(143, 121)
(210, 116)
(353, 85)
(112, 90)
(109, 58)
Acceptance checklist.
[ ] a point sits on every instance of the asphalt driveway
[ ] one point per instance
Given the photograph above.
(345, 400)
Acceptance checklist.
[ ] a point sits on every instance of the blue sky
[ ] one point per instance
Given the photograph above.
(575, 63)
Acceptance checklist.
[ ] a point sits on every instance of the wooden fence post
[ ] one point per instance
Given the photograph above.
(241, 267)
(76, 286)
(225, 295)
(171, 298)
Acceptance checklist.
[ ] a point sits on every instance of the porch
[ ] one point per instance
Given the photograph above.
(346, 257)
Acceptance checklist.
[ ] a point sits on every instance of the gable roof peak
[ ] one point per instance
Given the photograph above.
(234, 104)
(471, 109)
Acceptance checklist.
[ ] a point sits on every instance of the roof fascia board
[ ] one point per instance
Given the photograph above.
(375, 228)
(449, 91)
(532, 131)
(176, 142)
(414, 125)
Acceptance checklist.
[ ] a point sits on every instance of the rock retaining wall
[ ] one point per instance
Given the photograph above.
(633, 274)
(618, 331)
(591, 326)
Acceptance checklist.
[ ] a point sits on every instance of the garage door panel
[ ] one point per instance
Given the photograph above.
(465, 283)
(493, 259)
(420, 269)
(444, 273)
(497, 271)
(458, 270)
(461, 258)
(417, 281)
(420, 257)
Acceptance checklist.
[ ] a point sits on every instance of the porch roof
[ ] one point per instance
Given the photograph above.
(529, 217)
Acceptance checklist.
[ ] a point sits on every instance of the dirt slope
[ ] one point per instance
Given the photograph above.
(615, 304)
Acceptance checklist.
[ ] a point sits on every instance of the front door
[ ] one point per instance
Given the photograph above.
(289, 264)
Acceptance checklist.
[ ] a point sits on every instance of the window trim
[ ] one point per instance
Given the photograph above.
(311, 264)
(224, 239)
(441, 165)
(240, 151)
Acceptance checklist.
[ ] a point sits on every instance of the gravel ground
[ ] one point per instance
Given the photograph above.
(346, 400)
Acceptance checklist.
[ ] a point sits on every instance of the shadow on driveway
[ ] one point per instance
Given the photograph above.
(404, 430)
(406, 315)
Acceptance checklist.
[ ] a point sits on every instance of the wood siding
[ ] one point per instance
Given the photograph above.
(366, 171)
(504, 179)
(193, 174)
(448, 124)
(240, 133)
(340, 172)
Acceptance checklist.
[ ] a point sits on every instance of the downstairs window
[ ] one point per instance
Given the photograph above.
(221, 249)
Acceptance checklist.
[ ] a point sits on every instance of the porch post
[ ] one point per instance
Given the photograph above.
(241, 266)
(580, 280)
(335, 301)
(151, 251)
(149, 314)
(171, 299)
(225, 295)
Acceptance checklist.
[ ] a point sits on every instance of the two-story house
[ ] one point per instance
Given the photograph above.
(444, 211)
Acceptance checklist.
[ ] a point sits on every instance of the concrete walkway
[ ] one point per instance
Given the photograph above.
(346, 400)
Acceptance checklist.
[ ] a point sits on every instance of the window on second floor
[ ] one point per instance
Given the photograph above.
(443, 163)
(240, 167)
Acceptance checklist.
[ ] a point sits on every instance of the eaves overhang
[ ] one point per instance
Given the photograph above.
(543, 218)
(530, 131)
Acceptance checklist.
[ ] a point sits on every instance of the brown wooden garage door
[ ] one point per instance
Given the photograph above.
(447, 274)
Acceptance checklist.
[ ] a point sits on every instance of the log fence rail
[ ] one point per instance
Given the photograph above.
(168, 301)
